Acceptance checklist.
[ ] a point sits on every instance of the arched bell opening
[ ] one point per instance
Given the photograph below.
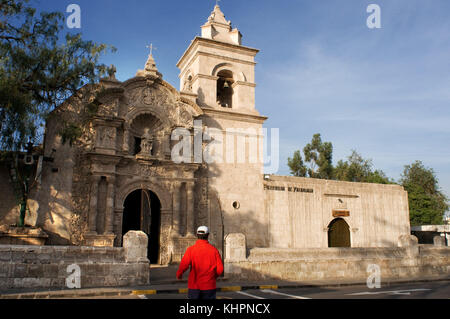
(225, 88)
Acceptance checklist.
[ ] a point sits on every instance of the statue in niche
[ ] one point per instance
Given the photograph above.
(147, 142)
(187, 87)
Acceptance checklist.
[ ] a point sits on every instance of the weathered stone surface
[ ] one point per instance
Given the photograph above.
(439, 241)
(432, 261)
(235, 247)
(407, 240)
(47, 266)
(10, 235)
(410, 242)
(135, 246)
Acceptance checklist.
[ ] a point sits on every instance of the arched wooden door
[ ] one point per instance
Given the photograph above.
(339, 233)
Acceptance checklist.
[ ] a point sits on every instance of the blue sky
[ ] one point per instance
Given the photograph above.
(383, 92)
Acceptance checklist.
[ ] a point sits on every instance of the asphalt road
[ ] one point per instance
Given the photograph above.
(427, 290)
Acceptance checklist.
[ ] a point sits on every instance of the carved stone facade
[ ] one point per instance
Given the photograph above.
(126, 146)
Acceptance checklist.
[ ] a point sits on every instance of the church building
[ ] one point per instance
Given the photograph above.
(123, 173)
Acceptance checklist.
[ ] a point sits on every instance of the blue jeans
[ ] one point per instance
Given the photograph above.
(201, 294)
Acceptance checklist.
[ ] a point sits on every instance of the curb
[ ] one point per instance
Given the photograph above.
(128, 292)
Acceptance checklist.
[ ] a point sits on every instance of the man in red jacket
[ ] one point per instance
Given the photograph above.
(206, 265)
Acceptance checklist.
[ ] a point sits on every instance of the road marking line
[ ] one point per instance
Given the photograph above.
(283, 294)
(249, 295)
(142, 296)
(268, 287)
(232, 288)
(391, 292)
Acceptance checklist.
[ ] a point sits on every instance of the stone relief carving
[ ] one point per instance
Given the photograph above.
(187, 85)
(148, 96)
(184, 117)
(109, 108)
(107, 137)
(150, 171)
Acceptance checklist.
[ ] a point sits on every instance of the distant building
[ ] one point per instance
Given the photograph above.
(425, 234)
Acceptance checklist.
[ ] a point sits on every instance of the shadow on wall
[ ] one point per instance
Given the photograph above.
(228, 220)
(59, 212)
(40, 206)
(387, 226)
(48, 214)
(9, 209)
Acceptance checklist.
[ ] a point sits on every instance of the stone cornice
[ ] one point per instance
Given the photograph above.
(108, 121)
(233, 115)
(105, 159)
(220, 57)
(216, 44)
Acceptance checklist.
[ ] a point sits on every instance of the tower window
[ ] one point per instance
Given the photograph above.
(225, 89)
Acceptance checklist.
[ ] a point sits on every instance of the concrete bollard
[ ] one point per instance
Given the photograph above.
(410, 243)
(439, 241)
(235, 247)
(135, 245)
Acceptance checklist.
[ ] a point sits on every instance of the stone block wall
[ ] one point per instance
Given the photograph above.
(300, 210)
(406, 262)
(47, 266)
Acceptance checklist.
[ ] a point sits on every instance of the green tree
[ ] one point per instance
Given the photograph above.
(297, 165)
(320, 157)
(427, 204)
(40, 67)
(358, 169)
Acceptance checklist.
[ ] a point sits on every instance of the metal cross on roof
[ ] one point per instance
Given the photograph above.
(151, 48)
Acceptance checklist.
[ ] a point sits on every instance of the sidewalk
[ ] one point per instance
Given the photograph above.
(162, 282)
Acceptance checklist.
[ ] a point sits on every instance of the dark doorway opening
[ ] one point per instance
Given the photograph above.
(339, 233)
(142, 211)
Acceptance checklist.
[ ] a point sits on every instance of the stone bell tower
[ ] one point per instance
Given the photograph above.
(218, 68)
(218, 73)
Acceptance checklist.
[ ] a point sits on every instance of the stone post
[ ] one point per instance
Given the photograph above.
(135, 245)
(235, 247)
(410, 242)
(439, 241)
(190, 221)
(109, 218)
(93, 205)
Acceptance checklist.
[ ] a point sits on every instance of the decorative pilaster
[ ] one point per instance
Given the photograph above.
(190, 222)
(126, 139)
(109, 218)
(176, 191)
(95, 180)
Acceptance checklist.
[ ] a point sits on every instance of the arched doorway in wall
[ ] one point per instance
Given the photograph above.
(339, 233)
(142, 211)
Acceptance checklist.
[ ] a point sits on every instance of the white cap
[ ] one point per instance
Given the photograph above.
(203, 230)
